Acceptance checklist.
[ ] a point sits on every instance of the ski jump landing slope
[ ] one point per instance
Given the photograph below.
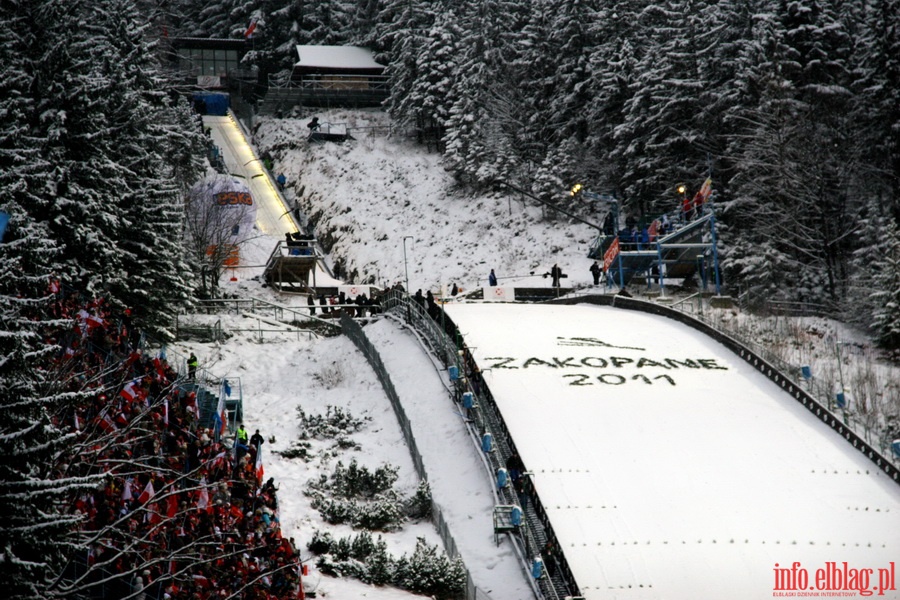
(671, 469)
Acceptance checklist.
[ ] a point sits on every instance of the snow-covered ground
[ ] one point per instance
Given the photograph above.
(732, 511)
(669, 467)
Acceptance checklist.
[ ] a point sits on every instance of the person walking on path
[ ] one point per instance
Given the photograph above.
(595, 271)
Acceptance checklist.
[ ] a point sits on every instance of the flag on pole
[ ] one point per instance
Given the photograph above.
(106, 424)
(172, 506)
(147, 494)
(203, 500)
(259, 464)
(130, 391)
(703, 193)
(220, 415)
(252, 27)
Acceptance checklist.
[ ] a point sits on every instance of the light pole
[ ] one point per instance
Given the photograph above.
(405, 266)
(578, 190)
(842, 403)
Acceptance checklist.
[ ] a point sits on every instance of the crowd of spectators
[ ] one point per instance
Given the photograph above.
(182, 514)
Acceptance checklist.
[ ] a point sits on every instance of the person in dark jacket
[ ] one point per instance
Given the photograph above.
(555, 275)
(595, 271)
(492, 279)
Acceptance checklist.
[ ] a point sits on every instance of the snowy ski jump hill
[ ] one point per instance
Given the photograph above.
(670, 468)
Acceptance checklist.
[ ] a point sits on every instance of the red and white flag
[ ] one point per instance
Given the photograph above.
(147, 494)
(220, 410)
(704, 192)
(106, 424)
(203, 500)
(93, 321)
(611, 253)
(172, 506)
(130, 391)
(259, 464)
(250, 29)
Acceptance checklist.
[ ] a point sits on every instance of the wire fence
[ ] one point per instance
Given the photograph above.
(822, 390)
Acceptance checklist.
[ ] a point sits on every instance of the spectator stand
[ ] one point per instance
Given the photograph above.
(202, 521)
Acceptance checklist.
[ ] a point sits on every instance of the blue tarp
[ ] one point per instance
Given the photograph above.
(211, 103)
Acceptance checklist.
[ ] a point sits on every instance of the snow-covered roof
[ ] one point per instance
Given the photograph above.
(336, 57)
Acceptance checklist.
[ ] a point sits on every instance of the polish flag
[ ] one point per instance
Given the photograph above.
(147, 494)
(106, 424)
(130, 391)
(172, 506)
(153, 515)
(704, 192)
(259, 464)
(201, 581)
(203, 500)
(250, 29)
(94, 321)
(220, 414)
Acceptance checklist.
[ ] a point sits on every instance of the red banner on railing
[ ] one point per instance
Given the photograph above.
(610, 254)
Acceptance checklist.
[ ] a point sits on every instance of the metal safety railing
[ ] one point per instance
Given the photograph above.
(356, 334)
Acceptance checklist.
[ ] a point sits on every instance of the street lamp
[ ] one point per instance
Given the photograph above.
(405, 266)
(578, 190)
(841, 402)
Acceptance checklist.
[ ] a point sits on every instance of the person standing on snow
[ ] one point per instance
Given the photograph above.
(595, 271)
(492, 279)
(192, 365)
(555, 275)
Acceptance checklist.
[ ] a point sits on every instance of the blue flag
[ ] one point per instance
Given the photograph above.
(4, 220)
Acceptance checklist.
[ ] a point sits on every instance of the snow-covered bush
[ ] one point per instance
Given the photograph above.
(428, 571)
(431, 574)
(420, 505)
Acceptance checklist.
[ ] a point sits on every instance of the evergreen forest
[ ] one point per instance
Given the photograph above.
(792, 107)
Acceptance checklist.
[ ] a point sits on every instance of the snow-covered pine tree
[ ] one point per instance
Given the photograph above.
(35, 528)
(401, 32)
(758, 261)
(662, 141)
(885, 293)
(155, 280)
